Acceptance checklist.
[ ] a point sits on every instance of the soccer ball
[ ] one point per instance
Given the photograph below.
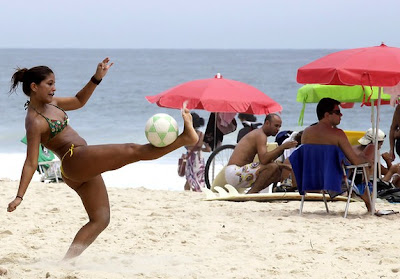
(161, 130)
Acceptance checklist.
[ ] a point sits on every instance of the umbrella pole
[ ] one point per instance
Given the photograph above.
(215, 131)
(373, 128)
(372, 117)
(376, 155)
(214, 145)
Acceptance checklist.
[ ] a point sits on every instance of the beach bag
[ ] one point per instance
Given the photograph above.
(182, 164)
(383, 185)
(391, 195)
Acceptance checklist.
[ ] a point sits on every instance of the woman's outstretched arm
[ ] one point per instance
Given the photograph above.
(30, 164)
(81, 98)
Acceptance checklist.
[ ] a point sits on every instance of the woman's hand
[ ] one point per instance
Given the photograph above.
(102, 68)
(13, 205)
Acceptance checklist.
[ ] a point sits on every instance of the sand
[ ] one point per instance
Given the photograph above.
(176, 234)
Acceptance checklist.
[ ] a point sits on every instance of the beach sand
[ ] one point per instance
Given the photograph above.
(176, 234)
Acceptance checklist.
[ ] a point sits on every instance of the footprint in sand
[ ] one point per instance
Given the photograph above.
(54, 210)
(3, 271)
(5, 233)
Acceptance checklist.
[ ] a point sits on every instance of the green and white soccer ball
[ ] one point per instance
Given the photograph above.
(161, 130)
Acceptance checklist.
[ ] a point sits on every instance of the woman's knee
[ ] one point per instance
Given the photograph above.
(105, 222)
(101, 219)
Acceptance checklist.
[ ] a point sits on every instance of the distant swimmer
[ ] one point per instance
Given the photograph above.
(47, 123)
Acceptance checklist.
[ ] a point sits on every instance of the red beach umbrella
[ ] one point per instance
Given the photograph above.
(369, 66)
(217, 94)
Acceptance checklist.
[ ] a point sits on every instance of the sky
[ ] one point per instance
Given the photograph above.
(202, 24)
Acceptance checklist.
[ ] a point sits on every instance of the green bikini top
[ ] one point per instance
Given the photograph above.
(56, 126)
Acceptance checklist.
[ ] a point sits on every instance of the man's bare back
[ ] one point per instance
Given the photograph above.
(325, 132)
(321, 134)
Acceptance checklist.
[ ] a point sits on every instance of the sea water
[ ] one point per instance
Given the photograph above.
(117, 111)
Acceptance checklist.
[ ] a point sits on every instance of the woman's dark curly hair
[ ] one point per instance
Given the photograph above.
(27, 76)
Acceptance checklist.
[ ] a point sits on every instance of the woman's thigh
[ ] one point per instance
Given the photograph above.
(88, 162)
(94, 196)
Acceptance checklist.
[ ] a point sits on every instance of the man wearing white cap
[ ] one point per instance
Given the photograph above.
(366, 148)
(369, 137)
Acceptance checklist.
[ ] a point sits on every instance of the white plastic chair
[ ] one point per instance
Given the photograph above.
(52, 173)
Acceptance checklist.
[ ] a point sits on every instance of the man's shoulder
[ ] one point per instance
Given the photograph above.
(257, 133)
(324, 128)
(322, 134)
(339, 131)
(254, 136)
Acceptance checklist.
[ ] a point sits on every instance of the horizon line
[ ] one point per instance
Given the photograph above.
(153, 48)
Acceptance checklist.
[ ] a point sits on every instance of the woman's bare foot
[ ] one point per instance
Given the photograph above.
(189, 134)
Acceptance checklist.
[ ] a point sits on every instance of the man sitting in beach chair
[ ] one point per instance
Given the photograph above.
(325, 132)
(242, 172)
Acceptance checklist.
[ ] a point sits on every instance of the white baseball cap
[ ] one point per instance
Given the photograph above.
(369, 136)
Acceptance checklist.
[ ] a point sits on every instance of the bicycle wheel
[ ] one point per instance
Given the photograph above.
(217, 160)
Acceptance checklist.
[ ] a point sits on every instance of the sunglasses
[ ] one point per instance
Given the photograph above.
(336, 111)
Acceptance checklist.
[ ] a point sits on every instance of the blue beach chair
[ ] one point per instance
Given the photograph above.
(322, 168)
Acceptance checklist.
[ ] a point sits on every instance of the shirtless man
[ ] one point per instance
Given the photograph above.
(390, 173)
(394, 134)
(242, 172)
(325, 132)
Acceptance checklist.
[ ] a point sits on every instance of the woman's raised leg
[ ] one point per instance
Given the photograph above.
(93, 194)
(90, 161)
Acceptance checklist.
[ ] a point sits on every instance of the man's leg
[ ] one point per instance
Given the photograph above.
(393, 172)
(286, 173)
(365, 198)
(266, 175)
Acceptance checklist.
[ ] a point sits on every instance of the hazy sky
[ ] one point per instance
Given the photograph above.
(198, 24)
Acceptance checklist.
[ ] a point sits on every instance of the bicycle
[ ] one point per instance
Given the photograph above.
(216, 162)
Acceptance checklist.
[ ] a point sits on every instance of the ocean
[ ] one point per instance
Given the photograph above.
(117, 111)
